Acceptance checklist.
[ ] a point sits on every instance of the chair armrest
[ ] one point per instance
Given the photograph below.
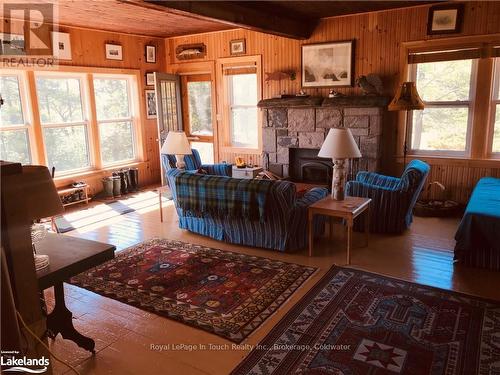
(221, 169)
(377, 179)
(363, 189)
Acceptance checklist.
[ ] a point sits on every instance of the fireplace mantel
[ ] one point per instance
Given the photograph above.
(316, 101)
(303, 122)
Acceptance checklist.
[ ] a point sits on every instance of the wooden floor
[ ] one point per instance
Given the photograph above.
(124, 334)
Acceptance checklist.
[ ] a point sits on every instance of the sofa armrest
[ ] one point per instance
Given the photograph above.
(221, 169)
(313, 195)
(377, 179)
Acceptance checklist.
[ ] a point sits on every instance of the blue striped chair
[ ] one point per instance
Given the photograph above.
(193, 163)
(393, 198)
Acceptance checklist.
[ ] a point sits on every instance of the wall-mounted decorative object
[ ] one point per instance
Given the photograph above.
(278, 76)
(371, 84)
(12, 44)
(238, 47)
(445, 19)
(150, 79)
(150, 104)
(114, 52)
(150, 54)
(328, 64)
(61, 45)
(190, 51)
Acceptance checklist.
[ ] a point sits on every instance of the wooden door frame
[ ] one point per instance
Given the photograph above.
(201, 68)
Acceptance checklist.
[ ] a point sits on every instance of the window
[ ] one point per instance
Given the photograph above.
(446, 88)
(115, 119)
(495, 147)
(63, 120)
(242, 89)
(14, 131)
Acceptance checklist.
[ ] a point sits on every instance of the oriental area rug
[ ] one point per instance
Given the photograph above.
(355, 322)
(225, 293)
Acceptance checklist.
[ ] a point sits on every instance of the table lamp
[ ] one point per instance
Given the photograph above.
(406, 99)
(177, 144)
(339, 145)
(42, 200)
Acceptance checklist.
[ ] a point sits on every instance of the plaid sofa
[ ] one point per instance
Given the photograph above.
(393, 198)
(285, 219)
(193, 163)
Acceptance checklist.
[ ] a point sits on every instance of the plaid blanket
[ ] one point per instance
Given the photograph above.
(202, 195)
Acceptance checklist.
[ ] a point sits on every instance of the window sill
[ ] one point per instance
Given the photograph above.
(93, 173)
(454, 160)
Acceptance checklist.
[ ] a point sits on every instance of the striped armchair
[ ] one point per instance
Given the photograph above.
(393, 198)
(193, 163)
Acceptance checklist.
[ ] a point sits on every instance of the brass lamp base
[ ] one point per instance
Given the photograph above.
(338, 179)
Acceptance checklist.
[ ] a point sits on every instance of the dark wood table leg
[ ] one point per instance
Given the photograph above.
(60, 320)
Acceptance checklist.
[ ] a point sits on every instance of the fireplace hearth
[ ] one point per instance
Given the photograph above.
(306, 166)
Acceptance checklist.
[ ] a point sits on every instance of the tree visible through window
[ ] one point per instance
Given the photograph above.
(63, 122)
(243, 110)
(14, 138)
(445, 88)
(114, 117)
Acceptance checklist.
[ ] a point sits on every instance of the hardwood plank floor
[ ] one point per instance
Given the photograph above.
(126, 336)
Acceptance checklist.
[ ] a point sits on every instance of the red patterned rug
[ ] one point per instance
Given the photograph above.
(355, 322)
(225, 293)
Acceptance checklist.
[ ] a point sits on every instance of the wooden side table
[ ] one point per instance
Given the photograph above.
(348, 209)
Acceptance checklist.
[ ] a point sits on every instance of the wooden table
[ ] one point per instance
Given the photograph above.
(348, 209)
(162, 189)
(68, 256)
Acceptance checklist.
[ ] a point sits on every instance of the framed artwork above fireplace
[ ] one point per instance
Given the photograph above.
(328, 64)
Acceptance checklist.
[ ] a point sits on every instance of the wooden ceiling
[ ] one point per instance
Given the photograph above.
(294, 19)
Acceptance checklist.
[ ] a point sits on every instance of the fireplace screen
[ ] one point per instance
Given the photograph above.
(306, 166)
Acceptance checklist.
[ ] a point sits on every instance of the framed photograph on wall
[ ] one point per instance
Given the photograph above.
(61, 45)
(150, 54)
(237, 47)
(328, 64)
(150, 79)
(114, 52)
(150, 104)
(445, 19)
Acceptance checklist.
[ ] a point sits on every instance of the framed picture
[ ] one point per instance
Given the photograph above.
(61, 45)
(114, 52)
(12, 44)
(150, 79)
(445, 19)
(328, 64)
(237, 47)
(151, 54)
(150, 104)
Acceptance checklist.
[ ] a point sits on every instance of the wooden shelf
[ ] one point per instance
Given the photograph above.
(72, 189)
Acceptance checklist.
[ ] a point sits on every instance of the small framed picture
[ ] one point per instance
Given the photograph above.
(61, 46)
(151, 54)
(237, 47)
(114, 52)
(150, 104)
(150, 79)
(445, 19)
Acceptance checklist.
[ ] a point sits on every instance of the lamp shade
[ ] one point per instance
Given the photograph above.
(406, 98)
(39, 193)
(339, 144)
(176, 144)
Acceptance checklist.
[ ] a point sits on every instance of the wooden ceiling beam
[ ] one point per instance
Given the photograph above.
(241, 15)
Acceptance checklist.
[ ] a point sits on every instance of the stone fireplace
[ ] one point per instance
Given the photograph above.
(294, 130)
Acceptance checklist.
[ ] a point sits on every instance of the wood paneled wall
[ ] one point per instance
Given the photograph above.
(87, 48)
(378, 39)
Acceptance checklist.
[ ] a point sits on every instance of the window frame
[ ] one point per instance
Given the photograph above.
(469, 104)
(232, 107)
(133, 118)
(494, 103)
(27, 115)
(85, 99)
